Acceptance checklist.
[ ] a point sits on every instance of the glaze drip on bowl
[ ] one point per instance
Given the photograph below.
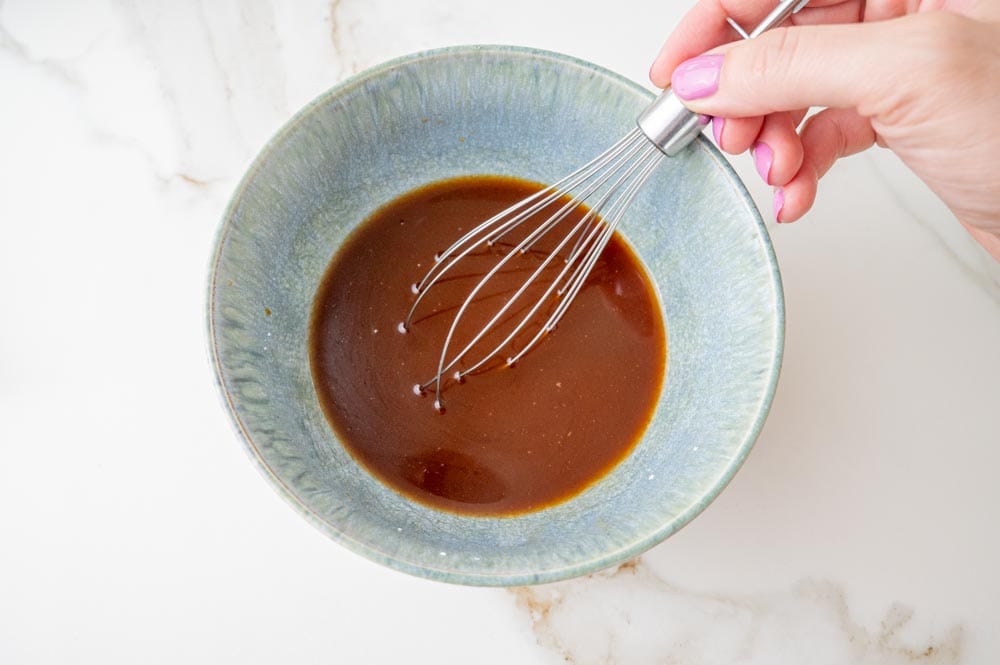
(514, 439)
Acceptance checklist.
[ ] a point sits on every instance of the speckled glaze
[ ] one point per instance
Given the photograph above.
(530, 114)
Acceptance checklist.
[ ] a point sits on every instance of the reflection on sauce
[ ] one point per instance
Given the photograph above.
(453, 475)
(513, 439)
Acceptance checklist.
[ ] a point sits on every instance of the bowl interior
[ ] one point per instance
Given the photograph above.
(533, 115)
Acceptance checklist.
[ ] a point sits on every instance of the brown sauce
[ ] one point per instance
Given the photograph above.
(512, 439)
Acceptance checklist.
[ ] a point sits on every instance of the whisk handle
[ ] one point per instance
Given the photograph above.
(669, 124)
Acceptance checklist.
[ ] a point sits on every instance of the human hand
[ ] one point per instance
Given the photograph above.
(922, 80)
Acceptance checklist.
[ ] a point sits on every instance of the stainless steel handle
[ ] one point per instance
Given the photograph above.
(668, 123)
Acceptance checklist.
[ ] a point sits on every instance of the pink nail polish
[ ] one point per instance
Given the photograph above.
(704, 119)
(763, 157)
(697, 77)
(718, 124)
(779, 203)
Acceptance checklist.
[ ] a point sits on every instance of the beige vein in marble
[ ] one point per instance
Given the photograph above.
(631, 616)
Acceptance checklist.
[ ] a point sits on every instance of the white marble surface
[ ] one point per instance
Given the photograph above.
(134, 529)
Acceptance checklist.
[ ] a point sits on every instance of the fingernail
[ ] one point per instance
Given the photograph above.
(779, 203)
(697, 77)
(718, 123)
(763, 157)
(704, 119)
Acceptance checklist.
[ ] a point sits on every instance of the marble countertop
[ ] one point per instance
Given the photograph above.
(133, 528)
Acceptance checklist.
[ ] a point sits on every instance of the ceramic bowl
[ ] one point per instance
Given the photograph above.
(534, 115)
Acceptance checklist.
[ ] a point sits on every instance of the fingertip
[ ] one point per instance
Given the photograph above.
(793, 200)
(825, 137)
(663, 66)
(658, 73)
(763, 159)
(718, 124)
(703, 28)
(736, 135)
(777, 151)
(697, 77)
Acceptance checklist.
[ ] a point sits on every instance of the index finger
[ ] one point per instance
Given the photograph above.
(704, 27)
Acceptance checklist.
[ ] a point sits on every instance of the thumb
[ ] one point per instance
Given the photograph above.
(839, 66)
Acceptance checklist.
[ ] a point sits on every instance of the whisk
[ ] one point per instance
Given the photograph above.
(610, 182)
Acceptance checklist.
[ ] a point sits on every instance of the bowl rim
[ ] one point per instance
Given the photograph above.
(449, 575)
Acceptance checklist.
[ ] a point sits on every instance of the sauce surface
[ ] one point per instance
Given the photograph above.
(511, 439)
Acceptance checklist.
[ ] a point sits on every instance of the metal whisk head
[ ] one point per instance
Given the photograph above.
(608, 184)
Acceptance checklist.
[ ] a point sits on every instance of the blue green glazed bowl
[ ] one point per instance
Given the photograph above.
(508, 111)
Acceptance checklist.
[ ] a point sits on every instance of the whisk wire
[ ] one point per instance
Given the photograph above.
(664, 128)
(586, 220)
(591, 235)
(584, 268)
(652, 159)
(616, 157)
(528, 241)
(442, 369)
(521, 210)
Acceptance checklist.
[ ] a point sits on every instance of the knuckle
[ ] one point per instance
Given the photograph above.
(934, 51)
(944, 28)
(943, 40)
(770, 59)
